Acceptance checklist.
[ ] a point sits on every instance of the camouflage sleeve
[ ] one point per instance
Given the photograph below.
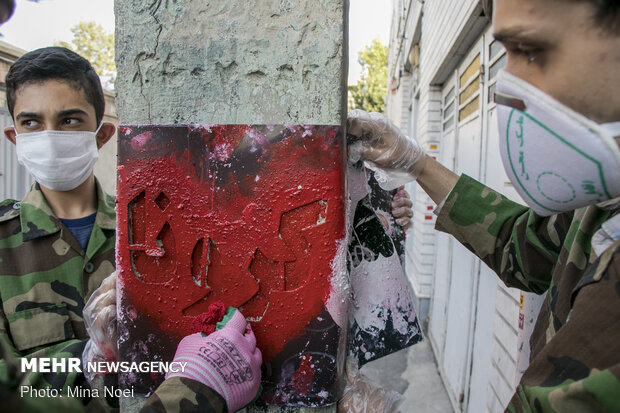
(579, 368)
(183, 395)
(520, 246)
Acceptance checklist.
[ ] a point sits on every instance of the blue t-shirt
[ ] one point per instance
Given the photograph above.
(81, 228)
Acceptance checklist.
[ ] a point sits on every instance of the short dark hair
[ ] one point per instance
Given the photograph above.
(607, 13)
(55, 63)
(9, 7)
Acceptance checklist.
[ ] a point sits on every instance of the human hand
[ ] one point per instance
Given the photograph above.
(383, 145)
(100, 320)
(401, 208)
(227, 361)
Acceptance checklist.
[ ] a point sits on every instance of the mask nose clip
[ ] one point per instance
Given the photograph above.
(510, 101)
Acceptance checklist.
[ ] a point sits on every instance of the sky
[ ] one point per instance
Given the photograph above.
(40, 24)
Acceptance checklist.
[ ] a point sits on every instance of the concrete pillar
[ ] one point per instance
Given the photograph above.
(231, 62)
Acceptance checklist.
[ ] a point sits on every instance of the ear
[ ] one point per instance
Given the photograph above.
(106, 132)
(9, 132)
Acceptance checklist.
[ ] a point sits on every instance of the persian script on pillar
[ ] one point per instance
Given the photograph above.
(249, 215)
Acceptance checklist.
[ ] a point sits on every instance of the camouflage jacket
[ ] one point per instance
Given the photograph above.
(574, 361)
(182, 395)
(45, 279)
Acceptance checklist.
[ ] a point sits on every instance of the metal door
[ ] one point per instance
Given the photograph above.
(443, 263)
(465, 267)
(484, 306)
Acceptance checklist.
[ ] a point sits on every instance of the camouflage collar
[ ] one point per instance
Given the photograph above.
(38, 220)
(106, 216)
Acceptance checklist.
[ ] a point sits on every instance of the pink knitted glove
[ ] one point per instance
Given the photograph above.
(226, 361)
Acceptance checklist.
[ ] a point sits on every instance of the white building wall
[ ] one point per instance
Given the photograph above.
(445, 31)
(442, 26)
(14, 180)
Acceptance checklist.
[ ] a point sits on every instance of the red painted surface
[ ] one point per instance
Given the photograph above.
(233, 214)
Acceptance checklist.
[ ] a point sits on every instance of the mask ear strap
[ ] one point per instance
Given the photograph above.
(98, 128)
(508, 100)
(613, 128)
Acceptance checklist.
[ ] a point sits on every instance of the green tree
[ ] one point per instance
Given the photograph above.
(92, 42)
(370, 91)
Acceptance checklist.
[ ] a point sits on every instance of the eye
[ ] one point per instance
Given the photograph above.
(71, 121)
(531, 53)
(29, 123)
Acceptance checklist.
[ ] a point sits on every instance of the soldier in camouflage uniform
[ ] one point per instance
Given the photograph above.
(570, 51)
(46, 273)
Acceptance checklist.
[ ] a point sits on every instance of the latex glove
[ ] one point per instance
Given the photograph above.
(100, 320)
(227, 361)
(385, 149)
(401, 208)
(361, 395)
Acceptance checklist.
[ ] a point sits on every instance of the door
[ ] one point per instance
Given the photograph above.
(484, 359)
(443, 263)
(465, 266)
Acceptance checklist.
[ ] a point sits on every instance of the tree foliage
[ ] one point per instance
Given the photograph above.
(93, 43)
(370, 91)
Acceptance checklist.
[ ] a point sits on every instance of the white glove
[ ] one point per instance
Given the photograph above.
(395, 158)
(100, 320)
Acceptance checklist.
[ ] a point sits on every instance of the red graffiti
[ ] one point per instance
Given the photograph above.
(249, 216)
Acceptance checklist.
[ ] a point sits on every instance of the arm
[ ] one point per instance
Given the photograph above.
(518, 245)
(221, 371)
(436, 180)
(186, 395)
(384, 147)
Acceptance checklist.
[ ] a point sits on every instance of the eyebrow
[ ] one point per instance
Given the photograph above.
(62, 113)
(21, 115)
(68, 112)
(510, 32)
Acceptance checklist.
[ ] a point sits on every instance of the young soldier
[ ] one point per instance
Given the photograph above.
(56, 244)
(559, 96)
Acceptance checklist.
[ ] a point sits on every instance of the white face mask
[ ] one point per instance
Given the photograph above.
(58, 160)
(557, 159)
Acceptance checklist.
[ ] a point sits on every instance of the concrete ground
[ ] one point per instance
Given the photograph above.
(413, 373)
